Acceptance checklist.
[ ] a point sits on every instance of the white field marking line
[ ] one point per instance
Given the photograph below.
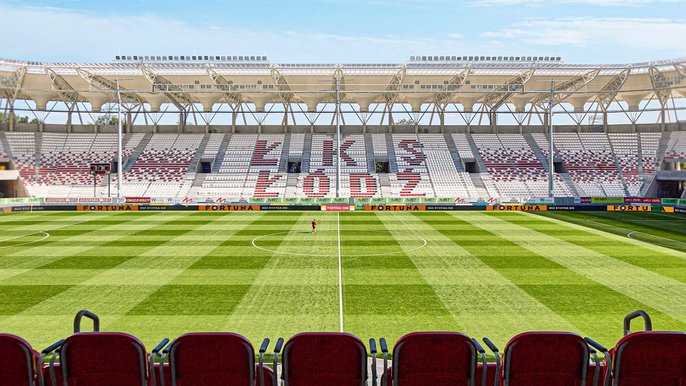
(340, 274)
(628, 235)
(423, 240)
(45, 233)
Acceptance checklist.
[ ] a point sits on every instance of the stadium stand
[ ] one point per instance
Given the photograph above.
(514, 170)
(508, 166)
(591, 164)
(412, 178)
(676, 147)
(645, 358)
(248, 168)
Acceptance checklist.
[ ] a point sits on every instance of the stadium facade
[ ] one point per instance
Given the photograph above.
(468, 128)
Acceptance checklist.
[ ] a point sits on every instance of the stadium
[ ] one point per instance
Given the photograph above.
(446, 220)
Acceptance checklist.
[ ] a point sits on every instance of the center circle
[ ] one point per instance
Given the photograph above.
(419, 243)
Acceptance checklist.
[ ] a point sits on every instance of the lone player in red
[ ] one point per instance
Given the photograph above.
(314, 226)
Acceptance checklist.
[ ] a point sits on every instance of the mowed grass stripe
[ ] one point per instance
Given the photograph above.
(109, 295)
(67, 242)
(384, 295)
(290, 293)
(642, 255)
(57, 309)
(21, 223)
(611, 231)
(160, 266)
(647, 288)
(483, 300)
(32, 264)
(184, 302)
(581, 302)
(651, 231)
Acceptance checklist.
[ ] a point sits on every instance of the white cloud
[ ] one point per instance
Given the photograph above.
(50, 33)
(625, 33)
(54, 34)
(607, 3)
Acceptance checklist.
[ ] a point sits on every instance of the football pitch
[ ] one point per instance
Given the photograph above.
(265, 274)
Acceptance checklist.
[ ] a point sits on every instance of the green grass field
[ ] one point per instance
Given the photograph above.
(263, 274)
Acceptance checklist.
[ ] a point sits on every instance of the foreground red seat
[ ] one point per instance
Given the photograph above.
(324, 359)
(200, 359)
(646, 358)
(432, 358)
(545, 359)
(103, 359)
(17, 361)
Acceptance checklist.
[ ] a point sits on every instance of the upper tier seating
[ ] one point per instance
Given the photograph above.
(513, 168)
(626, 149)
(446, 180)
(591, 163)
(412, 179)
(250, 168)
(254, 165)
(164, 164)
(676, 146)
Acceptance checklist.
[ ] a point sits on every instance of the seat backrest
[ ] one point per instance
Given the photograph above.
(199, 359)
(103, 359)
(326, 359)
(545, 359)
(650, 358)
(268, 375)
(434, 358)
(17, 361)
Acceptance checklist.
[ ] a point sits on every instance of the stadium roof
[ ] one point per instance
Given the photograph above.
(489, 82)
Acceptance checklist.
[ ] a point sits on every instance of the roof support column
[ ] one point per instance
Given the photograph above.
(493, 120)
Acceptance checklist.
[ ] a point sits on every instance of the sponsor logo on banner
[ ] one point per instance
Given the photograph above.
(629, 208)
(539, 200)
(563, 208)
(337, 208)
(520, 208)
(643, 200)
(56, 200)
(106, 208)
(440, 207)
(607, 200)
(166, 200)
(91, 200)
(138, 200)
(395, 207)
(15, 201)
(219, 208)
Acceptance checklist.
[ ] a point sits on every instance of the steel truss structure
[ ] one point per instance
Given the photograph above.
(422, 91)
(418, 92)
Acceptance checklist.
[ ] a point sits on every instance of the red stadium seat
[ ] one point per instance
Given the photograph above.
(650, 358)
(103, 359)
(324, 359)
(17, 361)
(647, 358)
(214, 359)
(415, 360)
(545, 359)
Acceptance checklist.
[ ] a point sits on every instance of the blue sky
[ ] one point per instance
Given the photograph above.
(345, 31)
